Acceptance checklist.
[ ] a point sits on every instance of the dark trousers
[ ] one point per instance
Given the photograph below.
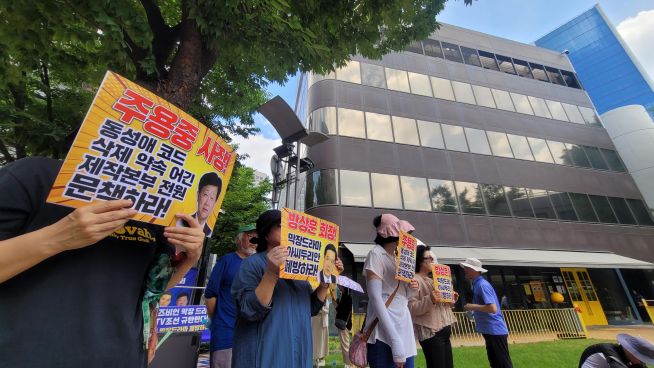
(497, 349)
(438, 349)
(380, 355)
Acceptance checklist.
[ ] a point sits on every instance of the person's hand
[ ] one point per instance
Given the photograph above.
(91, 223)
(399, 365)
(190, 239)
(414, 284)
(467, 307)
(276, 257)
(436, 296)
(339, 265)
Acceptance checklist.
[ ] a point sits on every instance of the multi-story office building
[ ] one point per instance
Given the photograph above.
(491, 149)
(604, 63)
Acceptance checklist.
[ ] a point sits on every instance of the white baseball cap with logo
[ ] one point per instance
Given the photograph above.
(473, 263)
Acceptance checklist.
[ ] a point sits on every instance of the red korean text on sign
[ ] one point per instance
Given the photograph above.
(327, 231)
(133, 105)
(409, 243)
(215, 154)
(441, 270)
(303, 223)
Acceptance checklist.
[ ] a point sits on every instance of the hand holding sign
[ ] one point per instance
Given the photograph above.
(89, 224)
(276, 257)
(190, 239)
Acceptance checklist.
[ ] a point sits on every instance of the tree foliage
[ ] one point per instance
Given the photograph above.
(212, 58)
(244, 202)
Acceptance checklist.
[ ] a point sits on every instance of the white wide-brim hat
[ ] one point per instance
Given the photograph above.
(639, 347)
(473, 263)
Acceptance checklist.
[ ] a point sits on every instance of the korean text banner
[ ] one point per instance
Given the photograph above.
(312, 247)
(405, 264)
(135, 145)
(182, 319)
(442, 275)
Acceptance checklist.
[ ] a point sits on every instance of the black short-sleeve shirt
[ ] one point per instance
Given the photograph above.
(79, 308)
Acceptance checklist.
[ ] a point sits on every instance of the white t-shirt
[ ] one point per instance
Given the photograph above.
(383, 265)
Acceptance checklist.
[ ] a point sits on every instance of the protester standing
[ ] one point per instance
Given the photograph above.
(489, 320)
(273, 325)
(101, 286)
(432, 319)
(392, 343)
(218, 297)
(343, 322)
(320, 335)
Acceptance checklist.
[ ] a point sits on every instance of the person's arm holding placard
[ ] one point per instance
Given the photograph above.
(19, 250)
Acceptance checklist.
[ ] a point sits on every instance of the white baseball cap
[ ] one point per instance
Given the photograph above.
(473, 263)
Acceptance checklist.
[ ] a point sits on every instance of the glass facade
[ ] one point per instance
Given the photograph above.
(445, 89)
(363, 189)
(357, 124)
(608, 73)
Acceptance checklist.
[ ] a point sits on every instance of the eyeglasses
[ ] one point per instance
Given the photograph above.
(429, 258)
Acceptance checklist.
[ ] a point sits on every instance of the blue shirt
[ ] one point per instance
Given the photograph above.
(487, 323)
(220, 287)
(274, 336)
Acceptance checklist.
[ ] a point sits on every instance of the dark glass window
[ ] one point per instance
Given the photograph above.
(578, 155)
(640, 211)
(322, 188)
(469, 196)
(554, 75)
(583, 207)
(595, 157)
(603, 209)
(622, 211)
(612, 159)
(539, 72)
(415, 46)
(506, 65)
(470, 56)
(495, 200)
(452, 52)
(432, 48)
(488, 60)
(540, 202)
(443, 196)
(570, 79)
(519, 202)
(522, 67)
(563, 205)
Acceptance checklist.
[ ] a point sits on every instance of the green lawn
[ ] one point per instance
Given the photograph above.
(558, 354)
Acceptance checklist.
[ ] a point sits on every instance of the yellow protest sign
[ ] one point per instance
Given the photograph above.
(442, 275)
(405, 263)
(135, 145)
(312, 247)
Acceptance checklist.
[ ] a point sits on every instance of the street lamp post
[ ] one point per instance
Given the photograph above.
(290, 129)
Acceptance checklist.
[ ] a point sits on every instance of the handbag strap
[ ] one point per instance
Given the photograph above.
(366, 334)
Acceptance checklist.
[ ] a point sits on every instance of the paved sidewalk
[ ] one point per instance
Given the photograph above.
(609, 332)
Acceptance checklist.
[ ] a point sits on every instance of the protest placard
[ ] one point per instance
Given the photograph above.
(313, 247)
(182, 319)
(135, 145)
(443, 282)
(405, 264)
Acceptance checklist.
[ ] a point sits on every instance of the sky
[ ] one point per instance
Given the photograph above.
(518, 20)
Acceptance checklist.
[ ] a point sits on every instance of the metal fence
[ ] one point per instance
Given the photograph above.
(529, 325)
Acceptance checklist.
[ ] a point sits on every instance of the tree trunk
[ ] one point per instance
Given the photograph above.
(183, 80)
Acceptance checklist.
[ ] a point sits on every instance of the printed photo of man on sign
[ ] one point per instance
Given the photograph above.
(405, 264)
(311, 247)
(134, 145)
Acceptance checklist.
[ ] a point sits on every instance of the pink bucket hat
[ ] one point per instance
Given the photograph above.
(391, 226)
